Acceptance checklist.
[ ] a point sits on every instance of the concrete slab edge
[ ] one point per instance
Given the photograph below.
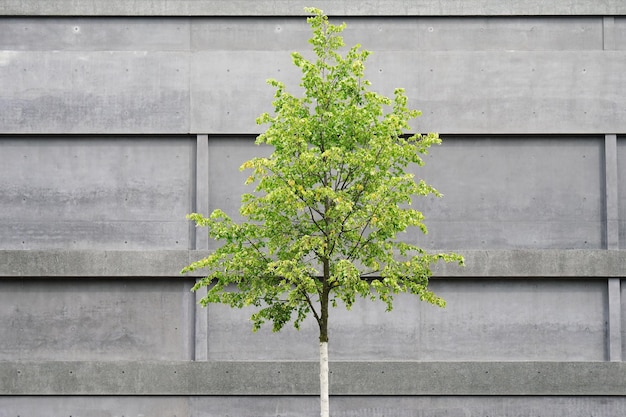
(168, 263)
(301, 378)
(295, 8)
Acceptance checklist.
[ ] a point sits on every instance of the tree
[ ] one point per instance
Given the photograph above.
(328, 203)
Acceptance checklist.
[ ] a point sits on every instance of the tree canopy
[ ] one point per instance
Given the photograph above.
(323, 220)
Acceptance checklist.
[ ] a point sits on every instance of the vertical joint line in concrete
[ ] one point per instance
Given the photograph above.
(608, 33)
(201, 328)
(611, 194)
(202, 187)
(201, 318)
(615, 320)
(614, 336)
(193, 169)
(189, 317)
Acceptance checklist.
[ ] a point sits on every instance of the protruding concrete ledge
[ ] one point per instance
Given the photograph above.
(576, 263)
(95, 263)
(479, 263)
(301, 378)
(295, 7)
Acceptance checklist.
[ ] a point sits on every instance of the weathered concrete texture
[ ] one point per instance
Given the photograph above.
(95, 192)
(285, 34)
(308, 406)
(95, 92)
(513, 192)
(392, 34)
(226, 155)
(412, 406)
(499, 192)
(295, 7)
(62, 319)
(619, 33)
(301, 378)
(459, 91)
(95, 34)
(207, 75)
(485, 320)
(87, 319)
(99, 406)
(168, 263)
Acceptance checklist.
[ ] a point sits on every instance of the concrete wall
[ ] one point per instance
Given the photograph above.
(118, 118)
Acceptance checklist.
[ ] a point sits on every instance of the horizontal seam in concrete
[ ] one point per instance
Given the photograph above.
(295, 8)
(578, 263)
(301, 378)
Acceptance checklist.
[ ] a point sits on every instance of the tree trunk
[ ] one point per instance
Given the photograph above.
(323, 324)
(324, 397)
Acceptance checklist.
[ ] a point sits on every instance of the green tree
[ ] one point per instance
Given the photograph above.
(328, 203)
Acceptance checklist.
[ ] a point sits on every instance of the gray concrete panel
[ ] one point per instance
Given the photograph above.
(414, 406)
(405, 34)
(295, 7)
(83, 319)
(95, 192)
(514, 192)
(542, 320)
(95, 406)
(308, 406)
(94, 34)
(468, 75)
(499, 192)
(458, 91)
(94, 92)
(301, 378)
(229, 90)
(226, 181)
(619, 33)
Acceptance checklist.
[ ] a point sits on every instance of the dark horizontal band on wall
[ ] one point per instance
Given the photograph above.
(295, 8)
(163, 263)
(301, 378)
